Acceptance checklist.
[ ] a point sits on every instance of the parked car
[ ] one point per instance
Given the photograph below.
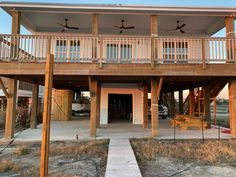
(79, 109)
(162, 111)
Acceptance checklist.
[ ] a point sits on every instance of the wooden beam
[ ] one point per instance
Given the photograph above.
(46, 116)
(93, 105)
(154, 106)
(207, 104)
(159, 87)
(180, 101)
(191, 102)
(34, 106)
(232, 107)
(80, 69)
(145, 105)
(11, 109)
(3, 88)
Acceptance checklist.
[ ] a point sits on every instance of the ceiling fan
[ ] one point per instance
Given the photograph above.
(179, 27)
(66, 27)
(122, 27)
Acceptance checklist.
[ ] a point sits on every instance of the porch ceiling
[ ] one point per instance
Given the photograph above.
(44, 18)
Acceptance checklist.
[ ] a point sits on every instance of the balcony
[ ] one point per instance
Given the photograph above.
(117, 49)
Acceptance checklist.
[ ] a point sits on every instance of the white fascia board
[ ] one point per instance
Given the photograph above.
(121, 8)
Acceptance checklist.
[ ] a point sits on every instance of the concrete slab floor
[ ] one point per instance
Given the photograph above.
(61, 130)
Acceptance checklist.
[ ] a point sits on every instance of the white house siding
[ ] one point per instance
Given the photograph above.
(133, 89)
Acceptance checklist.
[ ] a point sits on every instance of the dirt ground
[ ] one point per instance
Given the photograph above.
(185, 158)
(67, 158)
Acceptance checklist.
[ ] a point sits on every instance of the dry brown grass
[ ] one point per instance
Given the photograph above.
(7, 165)
(210, 152)
(23, 150)
(82, 148)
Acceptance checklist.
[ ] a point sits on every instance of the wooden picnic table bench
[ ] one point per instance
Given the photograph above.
(186, 121)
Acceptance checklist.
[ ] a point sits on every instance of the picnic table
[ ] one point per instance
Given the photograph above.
(185, 121)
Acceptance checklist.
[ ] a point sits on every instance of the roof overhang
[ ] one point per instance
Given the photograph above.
(212, 17)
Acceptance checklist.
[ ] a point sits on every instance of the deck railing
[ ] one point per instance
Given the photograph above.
(117, 49)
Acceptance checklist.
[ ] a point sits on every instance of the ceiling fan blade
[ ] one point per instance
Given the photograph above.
(116, 26)
(129, 27)
(121, 31)
(182, 31)
(60, 24)
(76, 28)
(183, 25)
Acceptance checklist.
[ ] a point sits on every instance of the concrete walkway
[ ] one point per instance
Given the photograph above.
(121, 160)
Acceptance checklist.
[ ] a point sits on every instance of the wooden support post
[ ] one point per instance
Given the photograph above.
(46, 116)
(93, 105)
(232, 107)
(155, 93)
(230, 33)
(12, 83)
(34, 106)
(3, 88)
(101, 52)
(98, 104)
(203, 54)
(95, 33)
(172, 105)
(180, 101)
(207, 104)
(16, 18)
(145, 105)
(154, 33)
(95, 24)
(154, 106)
(11, 109)
(191, 102)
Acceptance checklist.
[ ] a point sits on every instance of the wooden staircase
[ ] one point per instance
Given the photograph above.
(215, 89)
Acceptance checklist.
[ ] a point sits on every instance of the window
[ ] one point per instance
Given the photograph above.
(74, 49)
(25, 86)
(67, 49)
(61, 49)
(119, 53)
(175, 52)
(126, 51)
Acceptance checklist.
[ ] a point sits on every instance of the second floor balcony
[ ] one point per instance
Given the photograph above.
(117, 49)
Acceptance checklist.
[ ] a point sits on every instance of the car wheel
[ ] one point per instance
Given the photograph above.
(164, 117)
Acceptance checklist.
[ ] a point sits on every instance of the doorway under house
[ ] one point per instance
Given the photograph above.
(120, 108)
